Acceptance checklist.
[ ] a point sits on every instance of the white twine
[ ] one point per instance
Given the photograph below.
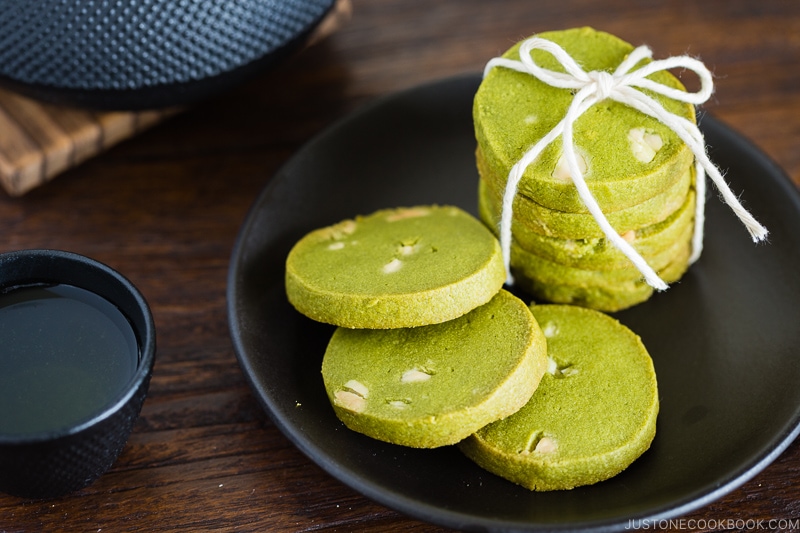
(621, 86)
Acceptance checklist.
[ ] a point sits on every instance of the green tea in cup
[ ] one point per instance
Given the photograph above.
(65, 353)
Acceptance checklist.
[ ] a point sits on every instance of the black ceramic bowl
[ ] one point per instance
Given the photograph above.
(51, 463)
(138, 54)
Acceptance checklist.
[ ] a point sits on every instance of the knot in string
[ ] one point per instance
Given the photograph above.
(624, 86)
(604, 83)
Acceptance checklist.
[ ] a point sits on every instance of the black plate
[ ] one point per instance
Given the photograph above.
(724, 339)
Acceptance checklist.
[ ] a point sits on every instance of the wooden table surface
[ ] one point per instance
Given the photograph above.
(164, 208)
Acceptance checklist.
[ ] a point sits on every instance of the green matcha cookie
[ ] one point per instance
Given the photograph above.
(593, 414)
(549, 271)
(395, 268)
(629, 157)
(653, 243)
(434, 385)
(593, 289)
(534, 218)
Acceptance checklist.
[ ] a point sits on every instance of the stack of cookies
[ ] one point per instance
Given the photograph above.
(638, 170)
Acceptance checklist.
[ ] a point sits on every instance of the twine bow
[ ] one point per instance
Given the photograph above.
(621, 86)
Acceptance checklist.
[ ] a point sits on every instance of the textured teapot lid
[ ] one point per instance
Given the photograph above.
(137, 54)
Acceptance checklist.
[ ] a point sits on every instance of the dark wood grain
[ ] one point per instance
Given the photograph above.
(164, 208)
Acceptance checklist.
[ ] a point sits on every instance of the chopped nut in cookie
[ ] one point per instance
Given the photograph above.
(357, 387)
(414, 376)
(550, 329)
(350, 401)
(561, 171)
(408, 246)
(629, 235)
(411, 212)
(644, 145)
(546, 445)
(392, 266)
(558, 370)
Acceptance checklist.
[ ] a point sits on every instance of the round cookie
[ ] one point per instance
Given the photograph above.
(434, 385)
(551, 271)
(606, 299)
(534, 218)
(602, 298)
(602, 290)
(395, 268)
(652, 242)
(593, 414)
(513, 110)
